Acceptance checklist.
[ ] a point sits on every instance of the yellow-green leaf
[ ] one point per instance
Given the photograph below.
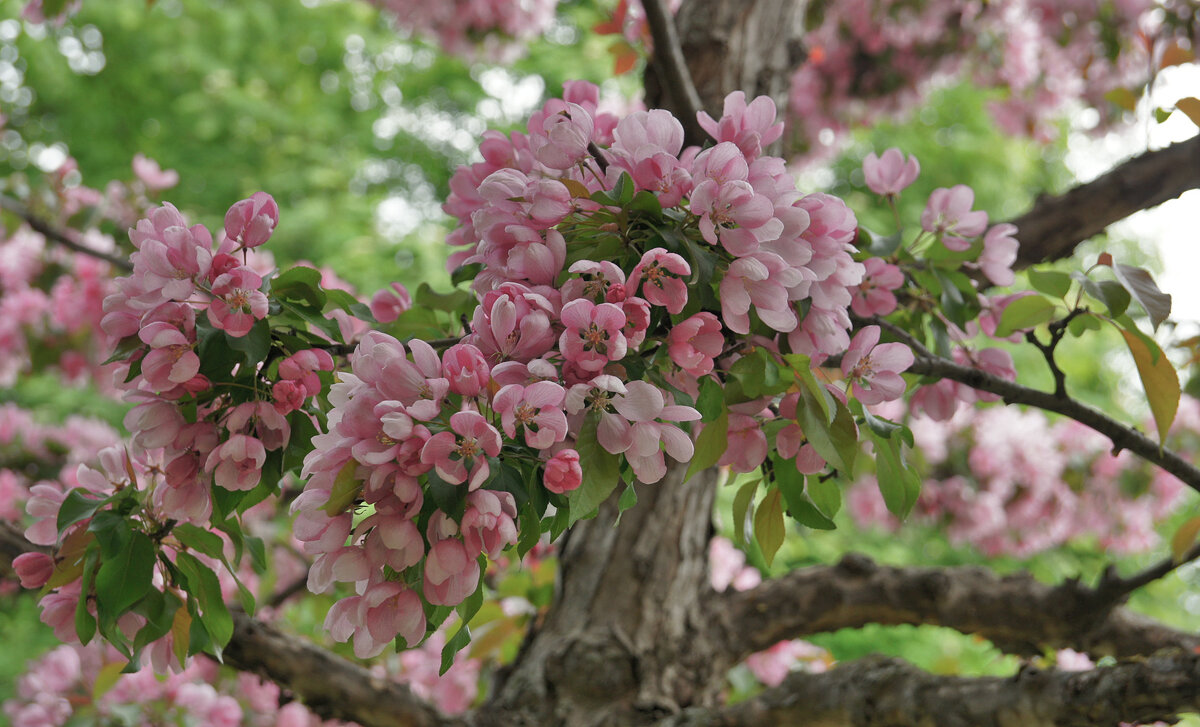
(1159, 379)
(768, 524)
(181, 629)
(1184, 537)
(741, 504)
(1191, 107)
(106, 679)
(1123, 98)
(345, 490)
(710, 445)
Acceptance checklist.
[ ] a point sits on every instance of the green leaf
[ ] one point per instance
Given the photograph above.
(1159, 378)
(741, 505)
(790, 482)
(345, 490)
(1144, 290)
(1025, 313)
(202, 583)
(628, 498)
(201, 540)
(77, 505)
(1082, 323)
(338, 298)
(254, 346)
(710, 445)
(844, 434)
(300, 285)
(826, 494)
(835, 441)
(85, 623)
(711, 402)
(601, 472)
(123, 581)
(258, 554)
(1053, 283)
(1112, 294)
(891, 476)
(449, 497)
(466, 611)
(769, 528)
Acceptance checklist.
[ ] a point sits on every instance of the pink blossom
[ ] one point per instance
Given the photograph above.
(563, 473)
(747, 444)
(171, 360)
(560, 134)
(451, 573)
(693, 343)
(537, 409)
(34, 569)
(660, 275)
(750, 126)
(593, 334)
(465, 367)
(874, 370)
(874, 296)
(734, 215)
(450, 455)
(237, 301)
(763, 280)
(949, 214)
(513, 322)
(488, 524)
(171, 261)
(251, 221)
(237, 463)
(890, 174)
(302, 367)
(999, 253)
(388, 610)
(643, 405)
(387, 304)
(153, 176)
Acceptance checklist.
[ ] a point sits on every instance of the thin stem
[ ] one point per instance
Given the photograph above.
(55, 235)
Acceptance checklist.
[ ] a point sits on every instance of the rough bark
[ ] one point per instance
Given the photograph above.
(879, 692)
(752, 45)
(1016, 612)
(625, 641)
(1055, 225)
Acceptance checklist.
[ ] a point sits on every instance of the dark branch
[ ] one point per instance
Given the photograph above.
(882, 692)
(329, 685)
(1055, 225)
(1016, 612)
(51, 233)
(1121, 435)
(669, 54)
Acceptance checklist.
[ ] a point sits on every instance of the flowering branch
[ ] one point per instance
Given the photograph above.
(1016, 612)
(327, 684)
(669, 53)
(884, 691)
(51, 233)
(1055, 225)
(1121, 435)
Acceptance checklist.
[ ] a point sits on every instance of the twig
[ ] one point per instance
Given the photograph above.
(1114, 587)
(669, 52)
(51, 233)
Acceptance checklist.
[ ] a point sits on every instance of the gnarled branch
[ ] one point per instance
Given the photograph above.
(55, 235)
(879, 692)
(677, 79)
(1055, 225)
(1016, 612)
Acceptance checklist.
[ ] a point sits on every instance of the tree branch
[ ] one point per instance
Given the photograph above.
(882, 692)
(329, 685)
(1055, 225)
(678, 80)
(51, 233)
(1016, 612)
(1121, 435)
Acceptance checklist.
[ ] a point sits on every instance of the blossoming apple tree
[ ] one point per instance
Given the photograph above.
(648, 305)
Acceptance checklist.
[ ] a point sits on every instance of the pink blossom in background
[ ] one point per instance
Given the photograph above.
(999, 253)
(890, 174)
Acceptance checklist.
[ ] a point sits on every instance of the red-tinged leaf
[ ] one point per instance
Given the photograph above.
(1159, 379)
(1176, 55)
(625, 57)
(769, 527)
(1145, 291)
(1184, 538)
(1123, 98)
(1191, 107)
(577, 190)
(1105, 259)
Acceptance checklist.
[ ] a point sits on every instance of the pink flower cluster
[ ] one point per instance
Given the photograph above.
(870, 58)
(495, 29)
(1034, 484)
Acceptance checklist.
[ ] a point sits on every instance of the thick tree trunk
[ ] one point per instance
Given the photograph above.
(752, 45)
(624, 642)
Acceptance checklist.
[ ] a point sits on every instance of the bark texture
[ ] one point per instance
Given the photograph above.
(1017, 613)
(879, 692)
(625, 641)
